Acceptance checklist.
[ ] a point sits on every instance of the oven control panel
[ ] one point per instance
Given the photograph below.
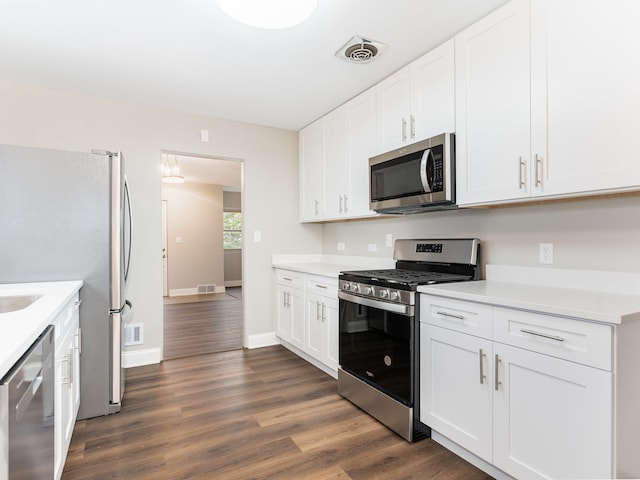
(386, 294)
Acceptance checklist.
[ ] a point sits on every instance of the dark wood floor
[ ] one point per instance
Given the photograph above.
(246, 414)
(203, 326)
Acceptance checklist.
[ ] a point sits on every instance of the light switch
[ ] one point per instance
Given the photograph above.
(178, 239)
(204, 135)
(257, 236)
(389, 240)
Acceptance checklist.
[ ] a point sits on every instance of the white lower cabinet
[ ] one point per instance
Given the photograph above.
(551, 417)
(290, 308)
(528, 411)
(67, 380)
(307, 317)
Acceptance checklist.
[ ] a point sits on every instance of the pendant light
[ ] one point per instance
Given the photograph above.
(271, 14)
(171, 173)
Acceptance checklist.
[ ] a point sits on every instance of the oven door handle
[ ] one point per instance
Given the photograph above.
(406, 310)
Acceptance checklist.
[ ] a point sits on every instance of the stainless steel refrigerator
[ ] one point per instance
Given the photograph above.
(67, 216)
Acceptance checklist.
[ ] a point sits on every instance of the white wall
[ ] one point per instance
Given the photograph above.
(44, 118)
(194, 216)
(596, 234)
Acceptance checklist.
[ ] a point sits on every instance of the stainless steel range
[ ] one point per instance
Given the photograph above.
(379, 327)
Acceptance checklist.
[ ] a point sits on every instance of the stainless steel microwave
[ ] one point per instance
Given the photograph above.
(415, 178)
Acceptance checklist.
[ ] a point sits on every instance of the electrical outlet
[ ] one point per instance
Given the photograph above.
(373, 247)
(341, 246)
(546, 253)
(389, 240)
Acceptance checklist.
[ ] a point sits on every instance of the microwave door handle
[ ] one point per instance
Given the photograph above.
(423, 171)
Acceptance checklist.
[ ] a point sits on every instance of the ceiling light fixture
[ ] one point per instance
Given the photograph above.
(171, 174)
(269, 13)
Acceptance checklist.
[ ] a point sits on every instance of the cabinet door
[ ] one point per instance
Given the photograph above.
(296, 312)
(64, 402)
(362, 146)
(314, 344)
(586, 116)
(432, 93)
(283, 313)
(493, 106)
(311, 172)
(552, 417)
(455, 387)
(331, 326)
(394, 106)
(335, 128)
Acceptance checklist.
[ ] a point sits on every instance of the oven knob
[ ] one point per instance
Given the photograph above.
(368, 290)
(383, 293)
(354, 287)
(346, 285)
(395, 295)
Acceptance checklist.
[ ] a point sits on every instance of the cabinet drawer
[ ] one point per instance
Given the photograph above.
(578, 341)
(466, 317)
(325, 286)
(287, 277)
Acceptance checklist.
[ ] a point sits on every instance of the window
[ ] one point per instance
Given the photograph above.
(232, 229)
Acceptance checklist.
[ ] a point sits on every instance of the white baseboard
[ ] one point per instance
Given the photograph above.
(262, 340)
(233, 283)
(220, 289)
(138, 358)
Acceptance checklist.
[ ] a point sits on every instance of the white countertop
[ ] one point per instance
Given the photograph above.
(328, 265)
(19, 329)
(553, 297)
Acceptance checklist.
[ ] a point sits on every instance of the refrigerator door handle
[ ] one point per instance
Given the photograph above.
(127, 199)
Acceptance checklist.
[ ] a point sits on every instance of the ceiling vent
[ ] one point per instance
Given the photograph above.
(360, 50)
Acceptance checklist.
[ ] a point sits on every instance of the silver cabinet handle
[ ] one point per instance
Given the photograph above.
(497, 382)
(316, 206)
(413, 127)
(324, 311)
(287, 279)
(404, 129)
(318, 311)
(538, 171)
(346, 205)
(451, 315)
(77, 303)
(482, 375)
(521, 176)
(321, 286)
(544, 335)
(341, 209)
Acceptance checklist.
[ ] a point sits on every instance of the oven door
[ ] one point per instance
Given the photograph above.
(376, 344)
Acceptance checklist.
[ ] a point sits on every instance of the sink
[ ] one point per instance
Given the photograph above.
(13, 303)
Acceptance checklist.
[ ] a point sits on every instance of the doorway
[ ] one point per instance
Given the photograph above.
(202, 255)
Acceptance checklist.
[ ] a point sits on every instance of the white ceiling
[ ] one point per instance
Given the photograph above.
(187, 55)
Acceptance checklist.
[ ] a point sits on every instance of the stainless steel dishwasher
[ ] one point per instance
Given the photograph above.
(27, 414)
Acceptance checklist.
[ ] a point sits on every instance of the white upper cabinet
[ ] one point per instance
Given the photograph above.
(417, 102)
(334, 162)
(585, 94)
(493, 107)
(546, 101)
(311, 172)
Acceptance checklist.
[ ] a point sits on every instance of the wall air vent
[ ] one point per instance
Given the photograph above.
(211, 288)
(360, 50)
(133, 334)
